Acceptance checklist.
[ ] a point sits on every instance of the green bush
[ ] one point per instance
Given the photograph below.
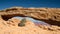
(23, 21)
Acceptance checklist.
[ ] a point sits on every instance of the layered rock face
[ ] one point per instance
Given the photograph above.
(48, 15)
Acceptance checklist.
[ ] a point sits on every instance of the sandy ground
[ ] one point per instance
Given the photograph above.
(11, 27)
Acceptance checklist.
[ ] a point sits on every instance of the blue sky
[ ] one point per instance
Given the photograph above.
(29, 3)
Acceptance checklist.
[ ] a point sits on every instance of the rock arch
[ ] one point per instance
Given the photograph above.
(49, 15)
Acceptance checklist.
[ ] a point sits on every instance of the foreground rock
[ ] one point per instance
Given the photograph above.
(11, 27)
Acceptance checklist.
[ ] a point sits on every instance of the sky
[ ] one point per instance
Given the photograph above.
(29, 3)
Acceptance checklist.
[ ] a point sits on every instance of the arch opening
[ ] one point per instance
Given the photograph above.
(37, 22)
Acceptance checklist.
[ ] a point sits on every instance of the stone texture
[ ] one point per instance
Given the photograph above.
(11, 27)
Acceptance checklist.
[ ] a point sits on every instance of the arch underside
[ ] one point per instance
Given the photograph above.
(52, 22)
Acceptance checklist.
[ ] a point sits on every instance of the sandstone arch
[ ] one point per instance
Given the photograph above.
(48, 15)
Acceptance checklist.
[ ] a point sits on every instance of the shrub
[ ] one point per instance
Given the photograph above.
(23, 21)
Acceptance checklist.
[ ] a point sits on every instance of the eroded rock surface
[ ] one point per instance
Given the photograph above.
(11, 27)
